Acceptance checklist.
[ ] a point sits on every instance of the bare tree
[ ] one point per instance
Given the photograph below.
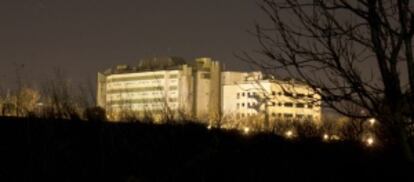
(28, 99)
(59, 98)
(352, 52)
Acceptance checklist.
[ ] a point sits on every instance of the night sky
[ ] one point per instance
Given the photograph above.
(82, 37)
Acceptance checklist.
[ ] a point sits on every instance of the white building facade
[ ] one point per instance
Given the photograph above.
(171, 88)
(160, 88)
(267, 100)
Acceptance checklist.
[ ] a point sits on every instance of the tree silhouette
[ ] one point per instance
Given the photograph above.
(355, 53)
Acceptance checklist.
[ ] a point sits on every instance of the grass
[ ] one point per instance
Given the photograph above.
(61, 150)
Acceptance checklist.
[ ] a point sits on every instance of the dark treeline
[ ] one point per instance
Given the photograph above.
(63, 150)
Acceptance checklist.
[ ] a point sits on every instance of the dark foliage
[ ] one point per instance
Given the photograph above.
(62, 150)
(95, 114)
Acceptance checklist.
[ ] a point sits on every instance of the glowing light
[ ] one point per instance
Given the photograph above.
(289, 133)
(370, 141)
(335, 137)
(325, 137)
(372, 121)
(209, 127)
(246, 130)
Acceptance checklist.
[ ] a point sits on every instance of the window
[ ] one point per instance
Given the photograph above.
(248, 104)
(206, 76)
(287, 115)
(288, 104)
(300, 116)
(238, 95)
(238, 105)
(243, 94)
(310, 106)
(300, 95)
(288, 94)
(174, 76)
(280, 104)
(242, 104)
(273, 93)
(273, 103)
(300, 105)
(310, 95)
(273, 114)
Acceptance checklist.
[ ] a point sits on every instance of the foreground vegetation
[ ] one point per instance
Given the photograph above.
(64, 150)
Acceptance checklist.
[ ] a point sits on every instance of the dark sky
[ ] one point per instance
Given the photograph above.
(82, 37)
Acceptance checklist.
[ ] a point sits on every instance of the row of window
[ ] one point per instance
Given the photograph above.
(280, 104)
(141, 89)
(145, 106)
(137, 83)
(144, 77)
(253, 94)
(138, 101)
(132, 95)
(284, 115)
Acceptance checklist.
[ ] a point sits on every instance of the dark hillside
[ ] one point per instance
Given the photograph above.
(40, 150)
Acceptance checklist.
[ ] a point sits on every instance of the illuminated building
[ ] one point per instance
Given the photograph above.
(253, 96)
(161, 88)
(172, 88)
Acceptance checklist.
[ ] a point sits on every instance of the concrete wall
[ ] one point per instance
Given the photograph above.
(207, 89)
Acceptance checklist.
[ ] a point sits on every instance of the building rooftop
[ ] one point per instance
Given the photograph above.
(149, 64)
(160, 63)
